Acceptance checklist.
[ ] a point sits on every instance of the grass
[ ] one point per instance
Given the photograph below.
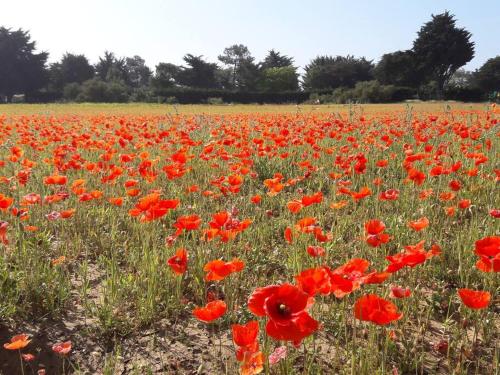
(113, 294)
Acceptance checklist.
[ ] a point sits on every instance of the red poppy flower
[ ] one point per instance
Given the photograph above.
(211, 311)
(285, 306)
(389, 195)
(178, 262)
(455, 185)
(296, 330)
(307, 200)
(363, 193)
(374, 309)
(398, 292)
(3, 232)
(5, 202)
(475, 299)
(488, 246)
(190, 222)
(316, 251)
(245, 335)
(256, 199)
(464, 203)
(411, 257)
(288, 235)
(375, 233)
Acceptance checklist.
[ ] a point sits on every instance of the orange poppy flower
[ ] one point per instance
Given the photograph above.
(66, 214)
(62, 348)
(55, 180)
(294, 206)
(211, 311)
(338, 205)
(118, 201)
(253, 365)
(218, 270)
(17, 342)
(419, 224)
(133, 192)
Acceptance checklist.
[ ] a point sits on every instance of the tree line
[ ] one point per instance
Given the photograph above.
(430, 69)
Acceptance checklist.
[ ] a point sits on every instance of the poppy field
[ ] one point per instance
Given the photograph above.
(335, 240)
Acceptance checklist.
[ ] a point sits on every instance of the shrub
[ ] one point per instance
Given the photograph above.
(215, 101)
(71, 91)
(96, 90)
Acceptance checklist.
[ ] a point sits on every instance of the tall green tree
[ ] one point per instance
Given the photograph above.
(441, 48)
(244, 72)
(138, 73)
(22, 70)
(398, 68)
(327, 72)
(487, 77)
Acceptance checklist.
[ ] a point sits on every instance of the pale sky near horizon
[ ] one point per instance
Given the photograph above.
(165, 30)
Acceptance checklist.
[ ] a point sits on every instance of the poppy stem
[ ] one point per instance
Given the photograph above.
(21, 362)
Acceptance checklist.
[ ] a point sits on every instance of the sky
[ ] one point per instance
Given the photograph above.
(165, 30)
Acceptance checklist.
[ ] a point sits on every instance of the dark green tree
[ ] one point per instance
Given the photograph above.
(398, 68)
(166, 75)
(279, 79)
(198, 73)
(276, 60)
(487, 77)
(21, 69)
(441, 48)
(327, 72)
(72, 68)
(111, 68)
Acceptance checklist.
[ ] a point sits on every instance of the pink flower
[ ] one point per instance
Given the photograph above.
(62, 348)
(54, 215)
(278, 354)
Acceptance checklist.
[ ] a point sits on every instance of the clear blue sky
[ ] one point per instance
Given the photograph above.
(165, 30)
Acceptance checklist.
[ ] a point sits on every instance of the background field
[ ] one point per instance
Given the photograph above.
(160, 109)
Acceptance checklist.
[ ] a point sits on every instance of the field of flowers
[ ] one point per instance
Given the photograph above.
(288, 240)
